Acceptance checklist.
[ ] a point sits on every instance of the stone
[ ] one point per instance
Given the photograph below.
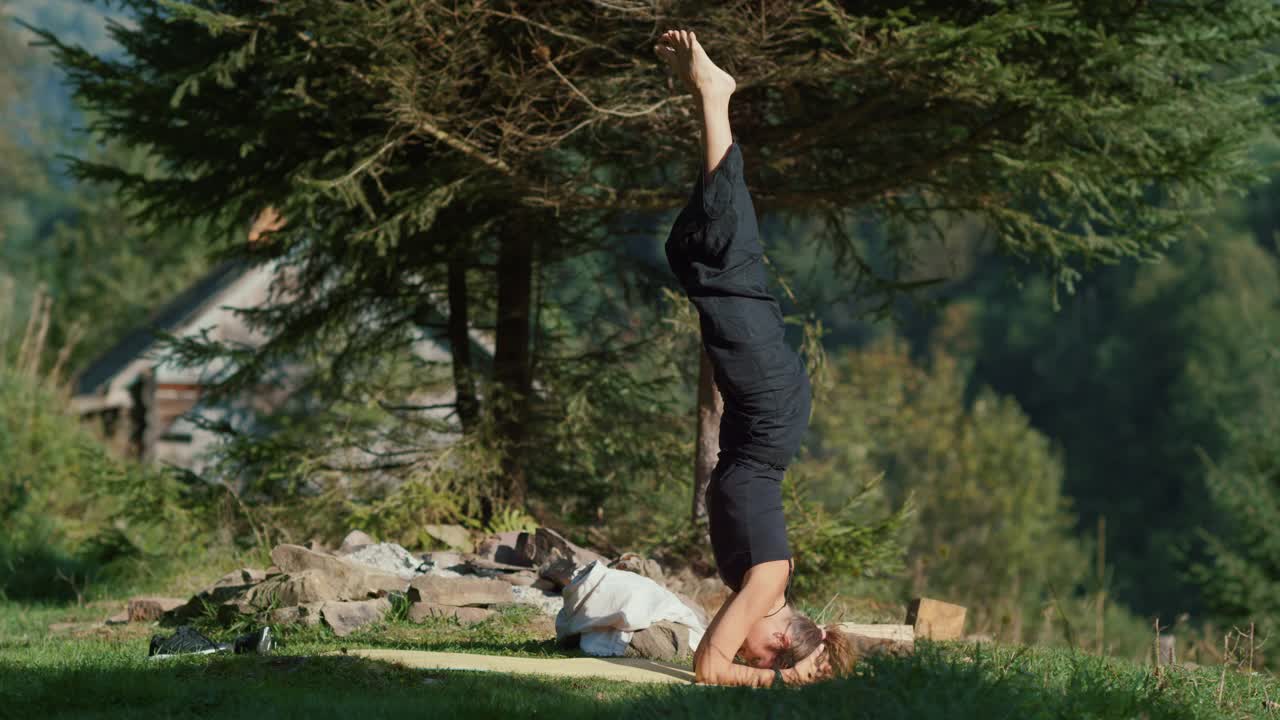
(523, 578)
(295, 558)
(148, 609)
(286, 615)
(559, 571)
(459, 591)
(549, 603)
(640, 565)
(422, 611)
(230, 588)
(309, 613)
(346, 617)
(936, 620)
(709, 593)
(501, 548)
(355, 540)
(664, 641)
(352, 580)
(297, 588)
(388, 558)
(476, 562)
(119, 618)
(243, 576)
(455, 536)
(526, 550)
(320, 546)
(443, 560)
(345, 582)
(546, 545)
(229, 613)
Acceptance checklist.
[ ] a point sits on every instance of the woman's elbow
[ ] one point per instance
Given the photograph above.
(704, 673)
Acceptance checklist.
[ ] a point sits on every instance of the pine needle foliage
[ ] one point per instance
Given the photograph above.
(400, 138)
(1239, 571)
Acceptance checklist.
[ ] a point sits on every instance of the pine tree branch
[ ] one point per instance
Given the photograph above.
(422, 122)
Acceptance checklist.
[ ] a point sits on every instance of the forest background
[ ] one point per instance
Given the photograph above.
(1070, 465)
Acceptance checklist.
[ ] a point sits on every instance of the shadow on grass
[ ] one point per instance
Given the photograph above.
(41, 574)
(35, 568)
(304, 687)
(940, 682)
(932, 684)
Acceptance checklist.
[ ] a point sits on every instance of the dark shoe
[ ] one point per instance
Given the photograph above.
(259, 641)
(185, 641)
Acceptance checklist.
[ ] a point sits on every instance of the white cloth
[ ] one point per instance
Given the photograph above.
(606, 606)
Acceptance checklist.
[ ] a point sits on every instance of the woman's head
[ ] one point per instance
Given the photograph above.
(785, 638)
(768, 639)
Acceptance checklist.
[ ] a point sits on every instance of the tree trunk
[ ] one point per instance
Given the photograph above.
(710, 408)
(511, 358)
(464, 383)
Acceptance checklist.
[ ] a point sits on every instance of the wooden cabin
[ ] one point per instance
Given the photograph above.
(143, 405)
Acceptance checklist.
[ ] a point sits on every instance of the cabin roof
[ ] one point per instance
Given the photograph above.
(185, 306)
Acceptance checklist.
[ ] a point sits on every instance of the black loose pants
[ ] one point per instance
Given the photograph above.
(714, 250)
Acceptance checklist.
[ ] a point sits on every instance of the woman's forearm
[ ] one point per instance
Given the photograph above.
(735, 674)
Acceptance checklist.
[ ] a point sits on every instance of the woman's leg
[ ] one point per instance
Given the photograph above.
(711, 88)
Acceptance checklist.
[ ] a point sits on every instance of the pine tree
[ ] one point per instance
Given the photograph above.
(414, 144)
(1239, 574)
(1134, 376)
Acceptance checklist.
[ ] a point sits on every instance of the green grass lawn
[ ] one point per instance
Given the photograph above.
(86, 672)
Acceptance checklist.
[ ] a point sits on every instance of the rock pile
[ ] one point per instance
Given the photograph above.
(360, 582)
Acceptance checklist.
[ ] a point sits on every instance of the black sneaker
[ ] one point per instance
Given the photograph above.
(259, 641)
(185, 641)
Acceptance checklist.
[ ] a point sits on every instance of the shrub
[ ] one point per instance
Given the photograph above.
(992, 530)
(72, 514)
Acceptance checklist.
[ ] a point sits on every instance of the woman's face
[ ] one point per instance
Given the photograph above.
(763, 642)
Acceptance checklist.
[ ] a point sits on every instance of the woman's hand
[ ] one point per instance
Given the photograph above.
(811, 669)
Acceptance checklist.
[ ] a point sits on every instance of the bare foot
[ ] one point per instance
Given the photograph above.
(682, 51)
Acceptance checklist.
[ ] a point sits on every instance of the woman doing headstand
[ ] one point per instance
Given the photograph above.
(714, 249)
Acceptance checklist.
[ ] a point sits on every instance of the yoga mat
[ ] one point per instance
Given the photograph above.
(623, 669)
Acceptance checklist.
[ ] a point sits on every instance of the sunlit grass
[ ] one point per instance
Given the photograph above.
(84, 671)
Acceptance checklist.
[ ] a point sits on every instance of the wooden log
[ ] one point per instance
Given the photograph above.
(881, 639)
(881, 631)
